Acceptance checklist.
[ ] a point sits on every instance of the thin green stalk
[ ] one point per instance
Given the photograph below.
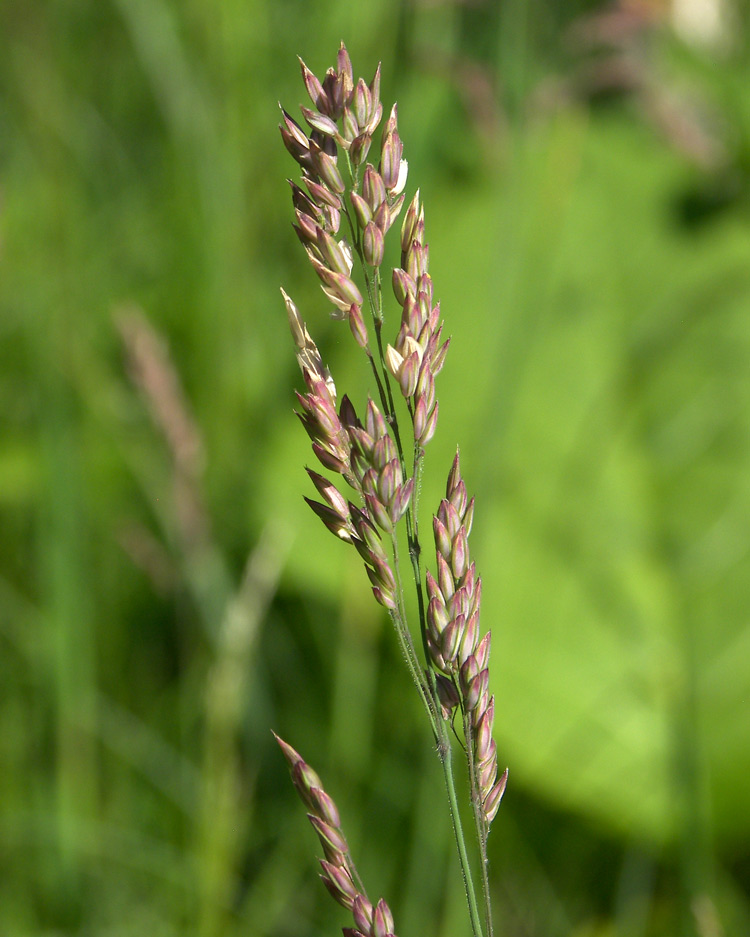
(399, 619)
(480, 824)
(417, 472)
(445, 751)
(391, 404)
(378, 381)
(373, 288)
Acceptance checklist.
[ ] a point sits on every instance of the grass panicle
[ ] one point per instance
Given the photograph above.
(344, 209)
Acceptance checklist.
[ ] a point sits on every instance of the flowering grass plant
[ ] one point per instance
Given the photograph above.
(345, 208)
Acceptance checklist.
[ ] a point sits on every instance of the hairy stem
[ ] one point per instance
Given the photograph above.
(445, 752)
(480, 824)
(399, 619)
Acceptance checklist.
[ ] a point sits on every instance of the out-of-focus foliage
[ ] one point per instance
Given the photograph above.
(165, 596)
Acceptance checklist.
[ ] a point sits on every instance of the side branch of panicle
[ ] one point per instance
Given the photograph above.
(338, 872)
(343, 119)
(453, 641)
(419, 352)
(364, 455)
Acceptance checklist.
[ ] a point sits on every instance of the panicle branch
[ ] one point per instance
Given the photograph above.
(339, 873)
(455, 648)
(419, 352)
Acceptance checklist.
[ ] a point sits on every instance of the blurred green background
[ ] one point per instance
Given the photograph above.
(166, 598)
